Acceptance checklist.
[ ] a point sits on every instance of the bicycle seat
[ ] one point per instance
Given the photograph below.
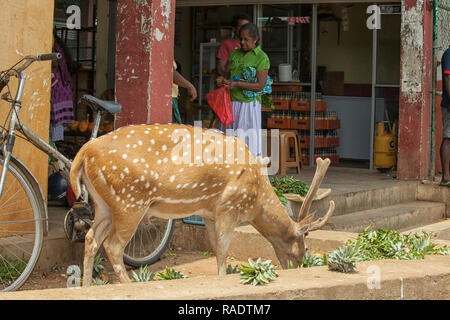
(96, 103)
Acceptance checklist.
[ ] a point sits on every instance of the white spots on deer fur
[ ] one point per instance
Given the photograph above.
(128, 136)
(152, 141)
(115, 137)
(142, 160)
(122, 176)
(142, 178)
(231, 172)
(204, 189)
(178, 186)
(149, 149)
(156, 176)
(172, 178)
(157, 153)
(165, 160)
(159, 161)
(160, 132)
(194, 185)
(117, 198)
(102, 177)
(124, 156)
(114, 167)
(147, 185)
(164, 147)
(181, 170)
(154, 189)
(131, 188)
(140, 142)
(135, 160)
(92, 159)
(126, 170)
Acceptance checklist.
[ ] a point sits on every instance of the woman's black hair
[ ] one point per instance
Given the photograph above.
(252, 31)
(240, 16)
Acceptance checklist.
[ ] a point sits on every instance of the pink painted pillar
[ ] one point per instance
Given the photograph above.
(415, 100)
(144, 59)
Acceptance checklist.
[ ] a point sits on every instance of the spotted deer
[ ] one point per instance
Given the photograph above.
(141, 170)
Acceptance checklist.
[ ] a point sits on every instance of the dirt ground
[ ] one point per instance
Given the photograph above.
(191, 264)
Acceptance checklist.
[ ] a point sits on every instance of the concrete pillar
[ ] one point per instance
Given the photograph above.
(415, 86)
(144, 57)
(27, 29)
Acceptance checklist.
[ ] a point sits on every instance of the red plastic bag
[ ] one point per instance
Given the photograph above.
(220, 101)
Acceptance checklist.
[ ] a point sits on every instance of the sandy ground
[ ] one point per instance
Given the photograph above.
(191, 264)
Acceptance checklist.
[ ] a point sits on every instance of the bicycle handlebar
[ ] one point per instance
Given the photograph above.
(48, 56)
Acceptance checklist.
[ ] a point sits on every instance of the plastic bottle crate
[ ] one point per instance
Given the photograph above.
(194, 220)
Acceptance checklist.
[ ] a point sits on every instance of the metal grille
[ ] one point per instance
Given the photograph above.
(441, 41)
(441, 26)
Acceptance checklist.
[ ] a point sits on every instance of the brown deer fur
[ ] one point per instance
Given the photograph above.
(133, 172)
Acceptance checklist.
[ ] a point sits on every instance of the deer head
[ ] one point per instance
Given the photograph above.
(288, 236)
(150, 170)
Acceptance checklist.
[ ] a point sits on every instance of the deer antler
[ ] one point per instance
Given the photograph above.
(321, 169)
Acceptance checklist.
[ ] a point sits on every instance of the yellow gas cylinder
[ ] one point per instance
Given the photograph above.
(384, 149)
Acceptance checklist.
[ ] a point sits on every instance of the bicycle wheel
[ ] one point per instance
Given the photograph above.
(150, 240)
(21, 229)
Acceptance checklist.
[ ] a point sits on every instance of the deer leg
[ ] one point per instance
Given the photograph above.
(93, 240)
(225, 224)
(211, 231)
(115, 243)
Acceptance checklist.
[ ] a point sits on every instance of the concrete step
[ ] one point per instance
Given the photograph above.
(439, 230)
(395, 217)
(347, 202)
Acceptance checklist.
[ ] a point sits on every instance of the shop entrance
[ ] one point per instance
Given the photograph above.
(336, 89)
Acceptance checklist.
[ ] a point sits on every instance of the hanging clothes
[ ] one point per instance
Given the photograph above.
(61, 96)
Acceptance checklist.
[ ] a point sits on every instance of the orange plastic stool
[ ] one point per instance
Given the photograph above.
(285, 159)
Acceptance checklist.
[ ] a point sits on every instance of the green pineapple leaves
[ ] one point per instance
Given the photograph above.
(258, 272)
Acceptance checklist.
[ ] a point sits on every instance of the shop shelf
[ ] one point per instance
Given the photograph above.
(281, 104)
(300, 124)
(321, 106)
(286, 88)
(299, 105)
(276, 123)
(319, 142)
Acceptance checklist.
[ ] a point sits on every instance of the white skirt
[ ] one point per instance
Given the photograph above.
(246, 125)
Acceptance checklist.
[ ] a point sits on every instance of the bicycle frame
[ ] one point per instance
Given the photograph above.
(34, 139)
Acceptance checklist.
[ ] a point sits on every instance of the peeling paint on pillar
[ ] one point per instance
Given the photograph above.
(144, 60)
(414, 105)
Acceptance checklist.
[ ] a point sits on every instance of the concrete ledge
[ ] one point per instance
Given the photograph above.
(399, 279)
(395, 217)
(249, 243)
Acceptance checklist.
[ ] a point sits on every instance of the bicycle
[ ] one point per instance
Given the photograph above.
(23, 209)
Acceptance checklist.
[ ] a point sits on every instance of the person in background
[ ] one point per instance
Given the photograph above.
(224, 51)
(445, 104)
(179, 80)
(245, 95)
(228, 45)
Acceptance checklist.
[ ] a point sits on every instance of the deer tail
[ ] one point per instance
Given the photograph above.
(76, 172)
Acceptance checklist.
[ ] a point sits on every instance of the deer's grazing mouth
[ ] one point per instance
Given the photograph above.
(174, 171)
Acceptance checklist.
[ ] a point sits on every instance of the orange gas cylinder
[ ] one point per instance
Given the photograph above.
(384, 148)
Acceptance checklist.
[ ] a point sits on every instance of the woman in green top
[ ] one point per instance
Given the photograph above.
(247, 109)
